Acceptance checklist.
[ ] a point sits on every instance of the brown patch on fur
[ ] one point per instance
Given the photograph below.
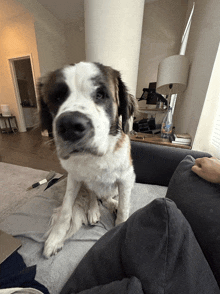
(129, 155)
(114, 91)
(111, 77)
(120, 141)
(116, 96)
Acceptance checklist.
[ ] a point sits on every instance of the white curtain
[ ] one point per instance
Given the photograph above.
(207, 136)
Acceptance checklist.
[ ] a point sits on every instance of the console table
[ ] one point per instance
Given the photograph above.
(155, 139)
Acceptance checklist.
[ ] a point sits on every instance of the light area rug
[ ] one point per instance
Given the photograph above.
(14, 181)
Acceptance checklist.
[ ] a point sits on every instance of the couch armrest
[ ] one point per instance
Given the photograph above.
(155, 164)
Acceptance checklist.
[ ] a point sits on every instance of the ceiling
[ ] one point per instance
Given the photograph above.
(68, 10)
(65, 10)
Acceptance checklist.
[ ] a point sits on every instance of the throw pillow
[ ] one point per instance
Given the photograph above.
(199, 201)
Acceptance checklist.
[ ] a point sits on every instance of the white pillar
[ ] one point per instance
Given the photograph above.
(113, 30)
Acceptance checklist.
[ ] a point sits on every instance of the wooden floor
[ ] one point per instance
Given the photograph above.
(29, 149)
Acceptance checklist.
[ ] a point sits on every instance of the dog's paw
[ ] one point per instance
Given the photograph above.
(111, 204)
(55, 239)
(120, 219)
(94, 215)
(52, 248)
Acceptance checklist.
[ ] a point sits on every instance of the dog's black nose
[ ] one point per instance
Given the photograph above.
(72, 126)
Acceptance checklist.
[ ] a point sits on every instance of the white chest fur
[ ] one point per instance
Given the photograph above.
(101, 173)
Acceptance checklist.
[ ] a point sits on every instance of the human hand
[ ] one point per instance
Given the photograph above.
(208, 169)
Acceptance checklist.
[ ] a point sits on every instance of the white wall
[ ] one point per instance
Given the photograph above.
(201, 49)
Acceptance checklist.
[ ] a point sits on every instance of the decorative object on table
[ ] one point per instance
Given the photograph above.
(184, 139)
(144, 125)
(48, 178)
(167, 125)
(152, 97)
(160, 104)
(5, 110)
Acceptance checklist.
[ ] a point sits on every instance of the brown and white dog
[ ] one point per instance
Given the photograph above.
(82, 105)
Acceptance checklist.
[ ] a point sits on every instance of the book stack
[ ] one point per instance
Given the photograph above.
(183, 139)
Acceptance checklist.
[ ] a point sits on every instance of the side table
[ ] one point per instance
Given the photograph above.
(8, 122)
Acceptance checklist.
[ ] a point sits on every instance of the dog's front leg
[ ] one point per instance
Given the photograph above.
(125, 186)
(93, 211)
(123, 203)
(61, 220)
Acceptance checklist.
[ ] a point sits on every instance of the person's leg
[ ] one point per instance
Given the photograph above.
(156, 245)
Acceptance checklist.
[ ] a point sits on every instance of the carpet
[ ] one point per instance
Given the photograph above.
(14, 181)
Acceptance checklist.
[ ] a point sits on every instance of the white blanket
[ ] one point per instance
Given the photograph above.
(30, 223)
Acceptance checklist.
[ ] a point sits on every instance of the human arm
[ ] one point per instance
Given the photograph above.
(208, 169)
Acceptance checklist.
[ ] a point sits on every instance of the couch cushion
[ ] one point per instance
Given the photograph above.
(155, 164)
(199, 201)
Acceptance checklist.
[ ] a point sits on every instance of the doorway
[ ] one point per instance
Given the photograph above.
(24, 84)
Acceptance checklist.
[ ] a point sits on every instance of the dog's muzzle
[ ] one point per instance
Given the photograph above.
(74, 126)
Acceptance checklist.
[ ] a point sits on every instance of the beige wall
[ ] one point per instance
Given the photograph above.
(27, 28)
(17, 39)
(75, 45)
(50, 36)
(163, 26)
(201, 49)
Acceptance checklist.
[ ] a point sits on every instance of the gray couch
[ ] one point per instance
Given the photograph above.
(154, 166)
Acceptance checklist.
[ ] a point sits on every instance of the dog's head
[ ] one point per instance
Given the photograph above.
(81, 104)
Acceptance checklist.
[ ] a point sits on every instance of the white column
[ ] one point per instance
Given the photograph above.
(113, 30)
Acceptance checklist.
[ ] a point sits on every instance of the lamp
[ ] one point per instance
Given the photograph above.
(172, 75)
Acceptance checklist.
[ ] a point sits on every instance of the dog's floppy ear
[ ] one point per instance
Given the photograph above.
(44, 113)
(127, 104)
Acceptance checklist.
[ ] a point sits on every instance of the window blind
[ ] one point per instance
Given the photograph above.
(215, 138)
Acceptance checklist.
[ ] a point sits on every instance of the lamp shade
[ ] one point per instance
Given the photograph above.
(173, 70)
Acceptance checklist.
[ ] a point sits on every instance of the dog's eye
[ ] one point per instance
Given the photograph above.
(59, 92)
(100, 94)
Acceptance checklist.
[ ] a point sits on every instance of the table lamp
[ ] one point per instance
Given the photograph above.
(172, 75)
